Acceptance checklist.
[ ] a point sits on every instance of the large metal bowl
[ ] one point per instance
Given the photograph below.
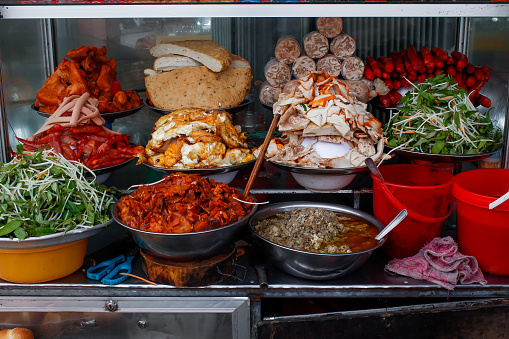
(186, 246)
(309, 265)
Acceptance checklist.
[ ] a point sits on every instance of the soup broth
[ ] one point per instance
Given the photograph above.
(318, 230)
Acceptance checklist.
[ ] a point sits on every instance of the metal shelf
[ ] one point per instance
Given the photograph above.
(116, 10)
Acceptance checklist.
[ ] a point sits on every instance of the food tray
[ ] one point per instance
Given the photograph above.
(442, 158)
(107, 115)
(232, 110)
(109, 169)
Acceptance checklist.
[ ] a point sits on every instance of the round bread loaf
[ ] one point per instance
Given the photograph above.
(17, 333)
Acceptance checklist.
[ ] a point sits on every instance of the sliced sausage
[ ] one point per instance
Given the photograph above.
(343, 46)
(303, 66)
(268, 94)
(330, 27)
(353, 68)
(330, 64)
(291, 85)
(358, 89)
(277, 73)
(316, 45)
(287, 49)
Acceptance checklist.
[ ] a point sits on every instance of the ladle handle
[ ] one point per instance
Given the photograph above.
(374, 168)
(395, 222)
(499, 201)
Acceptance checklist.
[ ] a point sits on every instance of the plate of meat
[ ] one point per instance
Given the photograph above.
(105, 115)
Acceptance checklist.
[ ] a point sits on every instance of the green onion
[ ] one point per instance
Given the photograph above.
(438, 117)
(43, 193)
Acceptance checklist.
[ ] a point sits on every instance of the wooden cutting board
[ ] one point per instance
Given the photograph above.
(189, 273)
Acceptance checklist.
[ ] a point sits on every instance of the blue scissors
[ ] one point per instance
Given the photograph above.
(108, 271)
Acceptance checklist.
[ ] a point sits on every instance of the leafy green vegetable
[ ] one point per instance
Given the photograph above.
(43, 193)
(438, 117)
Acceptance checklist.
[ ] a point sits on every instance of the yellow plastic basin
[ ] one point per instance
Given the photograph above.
(42, 264)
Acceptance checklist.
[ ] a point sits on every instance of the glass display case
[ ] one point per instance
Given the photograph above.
(258, 300)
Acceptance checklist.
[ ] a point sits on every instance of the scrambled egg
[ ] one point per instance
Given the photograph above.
(196, 138)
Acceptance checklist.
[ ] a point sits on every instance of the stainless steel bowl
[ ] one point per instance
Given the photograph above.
(309, 265)
(186, 246)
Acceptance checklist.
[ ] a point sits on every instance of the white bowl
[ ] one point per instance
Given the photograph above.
(323, 183)
(322, 180)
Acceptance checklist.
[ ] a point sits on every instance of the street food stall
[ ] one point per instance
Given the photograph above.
(226, 169)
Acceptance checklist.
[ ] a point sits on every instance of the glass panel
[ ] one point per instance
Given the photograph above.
(23, 70)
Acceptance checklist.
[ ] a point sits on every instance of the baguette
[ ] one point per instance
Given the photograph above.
(209, 53)
(198, 87)
(17, 333)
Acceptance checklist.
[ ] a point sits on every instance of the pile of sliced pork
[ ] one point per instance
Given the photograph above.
(321, 109)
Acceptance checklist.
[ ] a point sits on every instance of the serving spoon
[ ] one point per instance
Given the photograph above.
(395, 222)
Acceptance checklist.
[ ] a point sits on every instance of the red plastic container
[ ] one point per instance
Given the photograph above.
(483, 233)
(425, 192)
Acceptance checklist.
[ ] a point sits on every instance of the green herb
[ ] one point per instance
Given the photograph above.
(438, 117)
(43, 193)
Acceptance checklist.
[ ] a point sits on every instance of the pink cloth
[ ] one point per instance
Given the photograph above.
(440, 262)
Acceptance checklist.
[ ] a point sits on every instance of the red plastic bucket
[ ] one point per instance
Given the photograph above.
(425, 192)
(483, 233)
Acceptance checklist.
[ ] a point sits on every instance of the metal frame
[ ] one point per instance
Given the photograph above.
(253, 10)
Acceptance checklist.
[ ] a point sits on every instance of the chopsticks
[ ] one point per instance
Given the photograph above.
(261, 155)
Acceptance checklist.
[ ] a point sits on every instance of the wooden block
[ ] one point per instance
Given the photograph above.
(190, 273)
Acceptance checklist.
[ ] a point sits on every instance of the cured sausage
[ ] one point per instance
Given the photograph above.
(330, 64)
(287, 49)
(316, 45)
(277, 73)
(330, 27)
(343, 46)
(303, 66)
(353, 68)
(268, 94)
(358, 88)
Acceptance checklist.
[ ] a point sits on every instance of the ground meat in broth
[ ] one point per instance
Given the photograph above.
(310, 229)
